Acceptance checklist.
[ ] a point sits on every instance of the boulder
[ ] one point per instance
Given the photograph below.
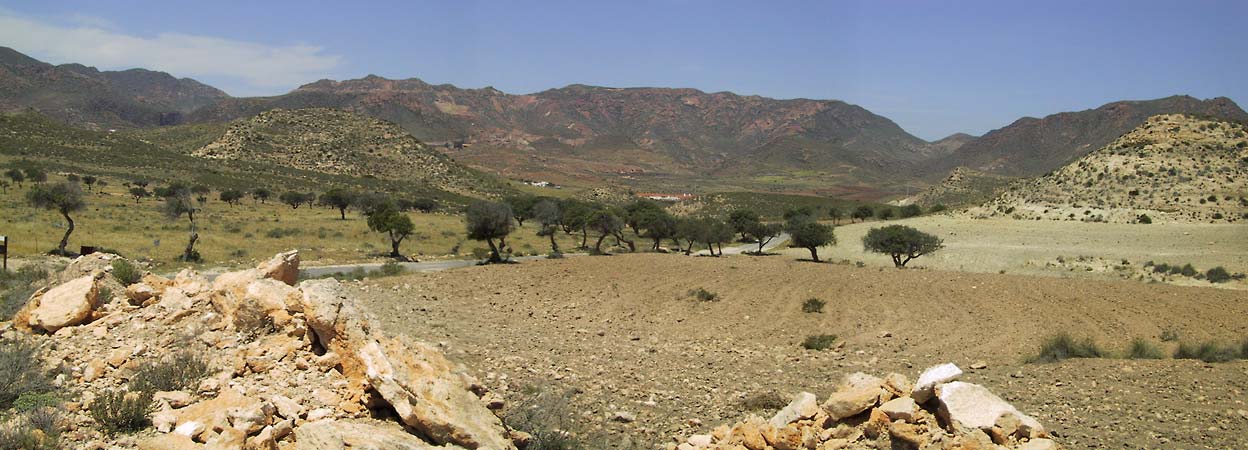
(430, 395)
(214, 414)
(1039, 444)
(901, 408)
(338, 325)
(933, 376)
(169, 442)
(66, 305)
(282, 267)
(335, 435)
(973, 406)
(857, 393)
(803, 406)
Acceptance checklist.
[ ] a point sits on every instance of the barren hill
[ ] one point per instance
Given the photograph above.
(87, 97)
(1031, 147)
(962, 187)
(1173, 168)
(343, 143)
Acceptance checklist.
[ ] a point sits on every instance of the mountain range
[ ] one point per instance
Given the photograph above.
(607, 133)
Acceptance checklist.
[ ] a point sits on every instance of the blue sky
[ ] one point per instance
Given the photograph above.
(934, 67)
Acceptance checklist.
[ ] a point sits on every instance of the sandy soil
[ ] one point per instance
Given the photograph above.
(624, 335)
(993, 245)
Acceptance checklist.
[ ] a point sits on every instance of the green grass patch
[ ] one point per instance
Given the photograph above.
(1062, 346)
(819, 341)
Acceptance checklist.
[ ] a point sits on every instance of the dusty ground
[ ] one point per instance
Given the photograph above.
(624, 335)
(1018, 246)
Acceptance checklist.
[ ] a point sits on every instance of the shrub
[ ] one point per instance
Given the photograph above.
(390, 269)
(126, 272)
(703, 295)
(1062, 346)
(546, 416)
(1243, 349)
(16, 288)
(1142, 349)
(1207, 351)
(1169, 335)
(180, 371)
(764, 401)
(813, 305)
(1144, 219)
(1189, 271)
(21, 372)
(105, 294)
(1218, 275)
(819, 341)
(120, 411)
(938, 208)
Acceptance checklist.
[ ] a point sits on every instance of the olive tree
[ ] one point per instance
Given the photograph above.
(742, 220)
(64, 198)
(295, 199)
(640, 210)
(139, 193)
(16, 175)
(395, 224)
(35, 175)
(901, 242)
(658, 225)
(521, 207)
(762, 233)
(546, 213)
(861, 213)
(231, 196)
(607, 222)
(90, 181)
(574, 217)
(339, 199)
(261, 194)
(809, 234)
(489, 221)
(179, 202)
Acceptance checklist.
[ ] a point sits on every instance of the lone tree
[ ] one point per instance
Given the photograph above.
(16, 175)
(606, 222)
(546, 213)
(809, 234)
(911, 210)
(575, 217)
(139, 193)
(488, 221)
(396, 224)
(295, 199)
(231, 196)
(179, 201)
(835, 214)
(90, 181)
(900, 241)
(762, 233)
(742, 220)
(861, 213)
(261, 194)
(715, 232)
(339, 199)
(63, 197)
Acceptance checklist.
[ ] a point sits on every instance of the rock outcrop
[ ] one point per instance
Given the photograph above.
(289, 366)
(866, 412)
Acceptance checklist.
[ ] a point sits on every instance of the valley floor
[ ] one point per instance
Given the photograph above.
(1087, 250)
(622, 334)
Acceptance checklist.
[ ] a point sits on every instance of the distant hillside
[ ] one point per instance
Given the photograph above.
(639, 130)
(952, 143)
(1031, 147)
(30, 139)
(1171, 168)
(964, 187)
(342, 143)
(86, 97)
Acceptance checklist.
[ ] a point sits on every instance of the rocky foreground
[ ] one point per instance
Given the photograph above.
(303, 366)
(292, 366)
(936, 412)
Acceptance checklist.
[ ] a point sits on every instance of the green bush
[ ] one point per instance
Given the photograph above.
(118, 411)
(1188, 270)
(391, 269)
(1207, 351)
(126, 273)
(1062, 346)
(703, 295)
(21, 372)
(1218, 275)
(1144, 219)
(33, 400)
(819, 341)
(180, 371)
(1142, 349)
(813, 305)
(546, 416)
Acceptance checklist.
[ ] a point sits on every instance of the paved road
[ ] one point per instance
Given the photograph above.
(434, 266)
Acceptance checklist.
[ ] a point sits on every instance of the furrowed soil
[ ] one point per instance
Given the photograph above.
(622, 334)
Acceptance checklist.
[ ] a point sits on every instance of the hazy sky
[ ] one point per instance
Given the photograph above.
(934, 67)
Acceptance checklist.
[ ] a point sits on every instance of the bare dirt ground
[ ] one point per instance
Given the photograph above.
(623, 335)
(1029, 246)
